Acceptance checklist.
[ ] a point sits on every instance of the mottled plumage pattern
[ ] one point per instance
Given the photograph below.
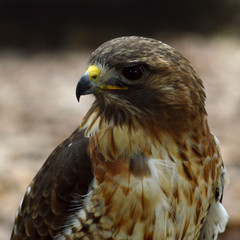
(142, 165)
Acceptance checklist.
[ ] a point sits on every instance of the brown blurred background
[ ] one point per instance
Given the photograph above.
(44, 49)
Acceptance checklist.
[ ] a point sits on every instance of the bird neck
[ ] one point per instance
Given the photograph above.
(114, 141)
(124, 140)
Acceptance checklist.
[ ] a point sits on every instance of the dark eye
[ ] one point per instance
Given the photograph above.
(133, 73)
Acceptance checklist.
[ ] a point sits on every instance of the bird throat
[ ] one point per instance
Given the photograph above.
(114, 141)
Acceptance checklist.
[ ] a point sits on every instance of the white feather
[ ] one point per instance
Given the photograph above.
(215, 222)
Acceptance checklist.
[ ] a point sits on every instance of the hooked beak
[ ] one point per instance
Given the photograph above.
(85, 86)
(88, 82)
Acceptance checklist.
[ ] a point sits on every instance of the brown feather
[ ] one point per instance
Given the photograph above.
(66, 173)
(156, 168)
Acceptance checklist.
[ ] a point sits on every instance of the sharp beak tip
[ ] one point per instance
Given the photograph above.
(78, 93)
(85, 86)
(78, 96)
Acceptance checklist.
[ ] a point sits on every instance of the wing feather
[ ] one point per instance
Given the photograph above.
(67, 172)
(217, 217)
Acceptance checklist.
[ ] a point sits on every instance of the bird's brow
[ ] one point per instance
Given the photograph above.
(124, 65)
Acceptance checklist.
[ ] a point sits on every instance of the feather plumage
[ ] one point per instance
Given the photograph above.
(143, 163)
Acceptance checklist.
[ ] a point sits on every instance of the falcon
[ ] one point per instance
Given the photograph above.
(143, 163)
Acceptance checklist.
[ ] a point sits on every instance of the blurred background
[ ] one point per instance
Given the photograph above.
(44, 49)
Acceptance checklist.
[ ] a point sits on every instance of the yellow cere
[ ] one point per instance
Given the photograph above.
(93, 72)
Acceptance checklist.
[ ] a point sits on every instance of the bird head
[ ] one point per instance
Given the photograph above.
(144, 80)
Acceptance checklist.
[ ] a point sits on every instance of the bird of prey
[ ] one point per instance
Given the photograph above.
(143, 163)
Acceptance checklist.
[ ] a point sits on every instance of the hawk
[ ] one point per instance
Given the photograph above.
(143, 164)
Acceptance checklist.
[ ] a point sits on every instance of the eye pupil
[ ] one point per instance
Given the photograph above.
(133, 73)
